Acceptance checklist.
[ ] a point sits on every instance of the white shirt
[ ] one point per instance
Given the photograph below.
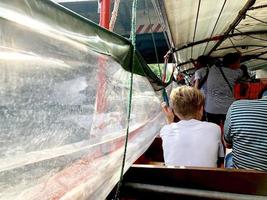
(192, 143)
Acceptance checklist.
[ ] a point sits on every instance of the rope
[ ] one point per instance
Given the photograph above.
(162, 22)
(133, 38)
(114, 15)
(166, 59)
(153, 39)
(163, 25)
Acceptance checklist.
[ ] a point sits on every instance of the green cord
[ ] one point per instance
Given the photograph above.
(133, 38)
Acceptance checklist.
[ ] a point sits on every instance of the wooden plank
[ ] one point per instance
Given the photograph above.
(211, 179)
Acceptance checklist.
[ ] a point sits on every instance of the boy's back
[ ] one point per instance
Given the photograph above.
(192, 143)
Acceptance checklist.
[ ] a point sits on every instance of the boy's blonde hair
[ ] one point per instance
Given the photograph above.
(186, 101)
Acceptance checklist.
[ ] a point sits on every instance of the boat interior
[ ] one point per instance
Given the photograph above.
(80, 104)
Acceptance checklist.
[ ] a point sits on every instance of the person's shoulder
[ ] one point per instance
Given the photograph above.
(167, 129)
(247, 104)
(214, 71)
(241, 102)
(239, 71)
(210, 125)
(202, 69)
(234, 72)
(213, 66)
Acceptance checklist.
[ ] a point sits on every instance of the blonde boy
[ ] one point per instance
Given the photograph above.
(190, 142)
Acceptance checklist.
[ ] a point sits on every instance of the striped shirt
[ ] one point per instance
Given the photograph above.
(246, 129)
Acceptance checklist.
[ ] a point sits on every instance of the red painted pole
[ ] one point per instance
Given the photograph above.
(105, 13)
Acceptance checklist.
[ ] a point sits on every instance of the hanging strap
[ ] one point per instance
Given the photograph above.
(165, 97)
(226, 80)
(164, 76)
(166, 60)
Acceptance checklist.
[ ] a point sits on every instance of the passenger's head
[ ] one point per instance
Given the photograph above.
(180, 78)
(187, 102)
(244, 69)
(232, 60)
(202, 61)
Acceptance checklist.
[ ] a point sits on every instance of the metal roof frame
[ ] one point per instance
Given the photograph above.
(236, 21)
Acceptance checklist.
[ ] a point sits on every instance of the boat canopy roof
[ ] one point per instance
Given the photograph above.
(216, 27)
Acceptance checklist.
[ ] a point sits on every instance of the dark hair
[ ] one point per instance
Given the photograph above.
(244, 69)
(231, 58)
(203, 60)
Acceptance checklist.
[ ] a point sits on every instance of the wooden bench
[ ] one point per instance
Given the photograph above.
(160, 182)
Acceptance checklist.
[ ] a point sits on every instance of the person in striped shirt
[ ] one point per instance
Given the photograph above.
(245, 131)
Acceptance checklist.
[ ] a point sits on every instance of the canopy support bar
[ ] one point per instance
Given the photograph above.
(195, 30)
(215, 38)
(217, 20)
(247, 57)
(237, 20)
(240, 46)
(258, 7)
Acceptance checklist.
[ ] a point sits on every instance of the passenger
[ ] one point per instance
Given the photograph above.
(201, 74)
(245, 131)
(179, 80)
(245, 75)
(220, 84)
(198, 64)
(190, 142)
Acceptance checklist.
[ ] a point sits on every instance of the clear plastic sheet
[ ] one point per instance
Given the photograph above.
(64, 112)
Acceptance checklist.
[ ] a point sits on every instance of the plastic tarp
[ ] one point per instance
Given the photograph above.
(146, 23)
(69, 27)
(188, 26)
(63, 104)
